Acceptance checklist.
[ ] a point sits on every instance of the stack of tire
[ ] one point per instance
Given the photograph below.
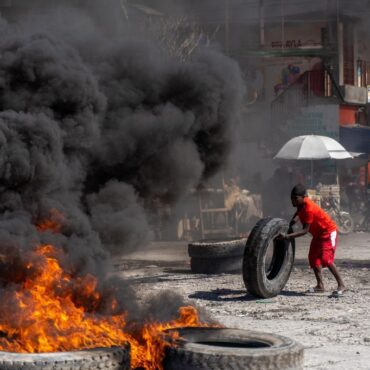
(217, 256)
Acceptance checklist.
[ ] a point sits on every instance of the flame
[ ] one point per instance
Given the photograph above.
(47, 314)
(155, 344)
(53, 223)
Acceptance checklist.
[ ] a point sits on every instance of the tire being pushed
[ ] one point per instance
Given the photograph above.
(268, 260)
(115, 358)
(217, 256)
(232, 349)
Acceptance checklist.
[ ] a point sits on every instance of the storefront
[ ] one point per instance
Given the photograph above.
(356, 139)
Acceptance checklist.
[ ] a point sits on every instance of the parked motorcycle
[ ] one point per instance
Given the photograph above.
(343, 219)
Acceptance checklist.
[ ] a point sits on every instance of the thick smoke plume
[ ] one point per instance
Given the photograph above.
(93, 128)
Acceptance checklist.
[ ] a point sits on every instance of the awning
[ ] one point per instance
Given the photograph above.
(355, 138)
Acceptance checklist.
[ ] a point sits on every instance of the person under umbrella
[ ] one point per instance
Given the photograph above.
(311, 148)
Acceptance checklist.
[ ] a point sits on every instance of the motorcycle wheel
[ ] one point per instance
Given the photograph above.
(345, 223)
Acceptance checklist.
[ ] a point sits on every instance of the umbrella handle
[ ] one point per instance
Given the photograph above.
(311, 174)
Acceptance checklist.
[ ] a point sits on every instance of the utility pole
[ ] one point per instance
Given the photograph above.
(282, 24)
(262, 22)
(227, 26)
(340, 46)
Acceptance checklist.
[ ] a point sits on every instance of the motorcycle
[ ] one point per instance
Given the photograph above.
(343, 219)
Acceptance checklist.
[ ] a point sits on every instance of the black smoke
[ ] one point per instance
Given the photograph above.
(95, 126)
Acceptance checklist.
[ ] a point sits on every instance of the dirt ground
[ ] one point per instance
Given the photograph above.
(334, 331)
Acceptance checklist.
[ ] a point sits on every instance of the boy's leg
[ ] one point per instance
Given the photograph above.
(333, 269)
(318, 274)
(314, 257)
(328, 259)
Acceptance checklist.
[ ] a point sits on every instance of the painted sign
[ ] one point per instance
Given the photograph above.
(292, 36)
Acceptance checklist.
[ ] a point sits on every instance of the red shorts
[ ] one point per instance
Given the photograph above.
(322, 250)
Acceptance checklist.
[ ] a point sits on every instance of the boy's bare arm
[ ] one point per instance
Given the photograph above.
(294, 219)
(297, 234)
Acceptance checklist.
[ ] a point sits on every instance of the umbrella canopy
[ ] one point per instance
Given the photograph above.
(311, 147)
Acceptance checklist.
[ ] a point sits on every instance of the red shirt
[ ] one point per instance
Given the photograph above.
(320, 222)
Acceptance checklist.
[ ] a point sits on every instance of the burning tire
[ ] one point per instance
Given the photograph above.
(214, 257)
(268, 261)
(117, 358)
(232, 349)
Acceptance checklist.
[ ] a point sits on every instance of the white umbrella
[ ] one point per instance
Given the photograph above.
(312, 147)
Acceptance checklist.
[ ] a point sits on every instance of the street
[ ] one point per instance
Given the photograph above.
(334, 331)
(128, 121)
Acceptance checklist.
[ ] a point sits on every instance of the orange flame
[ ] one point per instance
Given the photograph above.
(53, 224)
(154, 344)
(45, 316)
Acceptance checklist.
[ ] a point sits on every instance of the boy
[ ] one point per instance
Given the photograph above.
(324, 233)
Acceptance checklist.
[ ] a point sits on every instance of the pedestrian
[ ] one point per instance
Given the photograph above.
(324, 237)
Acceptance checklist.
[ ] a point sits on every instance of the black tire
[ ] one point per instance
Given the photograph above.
(216, 265)
(264, 278)
(117, 358)
(232, 349)
(217, 248)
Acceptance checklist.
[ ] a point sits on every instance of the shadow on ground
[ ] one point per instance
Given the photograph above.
(292, 294)
(223, 295)
(158, 278)
(230, 295)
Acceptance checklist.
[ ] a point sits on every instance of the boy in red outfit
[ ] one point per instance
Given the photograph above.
(324, 233)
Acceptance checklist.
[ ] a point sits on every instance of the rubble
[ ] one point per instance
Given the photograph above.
(332, 330)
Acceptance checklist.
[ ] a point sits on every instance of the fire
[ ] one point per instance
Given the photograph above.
(53, 223)
(54, 311)
(152, 352)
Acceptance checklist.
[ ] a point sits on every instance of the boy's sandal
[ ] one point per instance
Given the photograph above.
(337, 293)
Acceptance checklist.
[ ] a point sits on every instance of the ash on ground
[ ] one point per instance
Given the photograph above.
(334, 331)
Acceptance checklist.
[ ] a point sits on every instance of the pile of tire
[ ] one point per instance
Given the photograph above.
(266, 277)
(232, 349)
(116, 358)
(217, 256)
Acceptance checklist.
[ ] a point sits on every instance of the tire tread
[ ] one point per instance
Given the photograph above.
(104, 358)
(252, 267)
